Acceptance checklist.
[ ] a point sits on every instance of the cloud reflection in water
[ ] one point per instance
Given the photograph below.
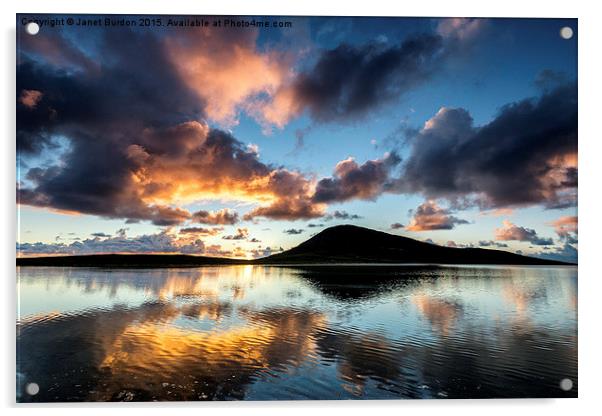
(228, 333)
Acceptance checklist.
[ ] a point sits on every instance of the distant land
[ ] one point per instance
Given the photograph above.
(341, 244)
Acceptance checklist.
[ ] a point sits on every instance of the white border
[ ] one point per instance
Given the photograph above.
(589, 34)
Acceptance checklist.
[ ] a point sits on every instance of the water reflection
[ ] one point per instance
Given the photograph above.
(247, 332)
(441, 313)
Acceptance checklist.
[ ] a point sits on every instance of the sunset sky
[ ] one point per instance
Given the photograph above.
(240, 142)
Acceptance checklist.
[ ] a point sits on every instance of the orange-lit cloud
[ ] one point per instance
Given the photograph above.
(196, 154)
(566, 228)
(442, 314)
(167, 167)
(565, 225)
(430, 216)
(278, 111)
(227, 71)
(30, 98)
(513, 232)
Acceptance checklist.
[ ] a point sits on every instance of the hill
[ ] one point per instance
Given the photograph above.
(339, 244)
(352, 244)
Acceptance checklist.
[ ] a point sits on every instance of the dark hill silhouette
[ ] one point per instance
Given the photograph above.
(127, 260)
(339, 244)
(352, 244)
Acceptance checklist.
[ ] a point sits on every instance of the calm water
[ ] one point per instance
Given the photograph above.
(264, 333)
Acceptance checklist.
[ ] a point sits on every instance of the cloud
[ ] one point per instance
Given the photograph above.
(300, 137)
(241, 234)
(280, 193)
(138, 183)
(312, 225)
(79, 98)
(30, 98)
(353, 181)
(429, 216)
(350, 81)
(566, 253)
(460, 28)
(162, 242)
(201, 230)
(294, 198)
(268, 251)
(527, 155)
(453, 244)
(221, 217)
(341, 215)
(100, 235)
(490, 243)
(566, 228)
(293, 231)
(223, 73)
(58, 51)
(127, 136)
(397, 226)
(227, 70)
(120, 138)
(512, 232)
(99, 114)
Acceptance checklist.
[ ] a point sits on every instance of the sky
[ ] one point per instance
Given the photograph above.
(242, 140)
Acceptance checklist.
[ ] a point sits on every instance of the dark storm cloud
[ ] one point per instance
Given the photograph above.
(94, 179)
(100, 109)
(349, 81)
(58, 51)
(129, 146)
(525, 156)
(354, 181)
(128, 136)
(123, 94)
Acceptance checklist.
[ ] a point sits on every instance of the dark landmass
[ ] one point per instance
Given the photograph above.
(334, 245)
(128, 260)
(352, 244)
